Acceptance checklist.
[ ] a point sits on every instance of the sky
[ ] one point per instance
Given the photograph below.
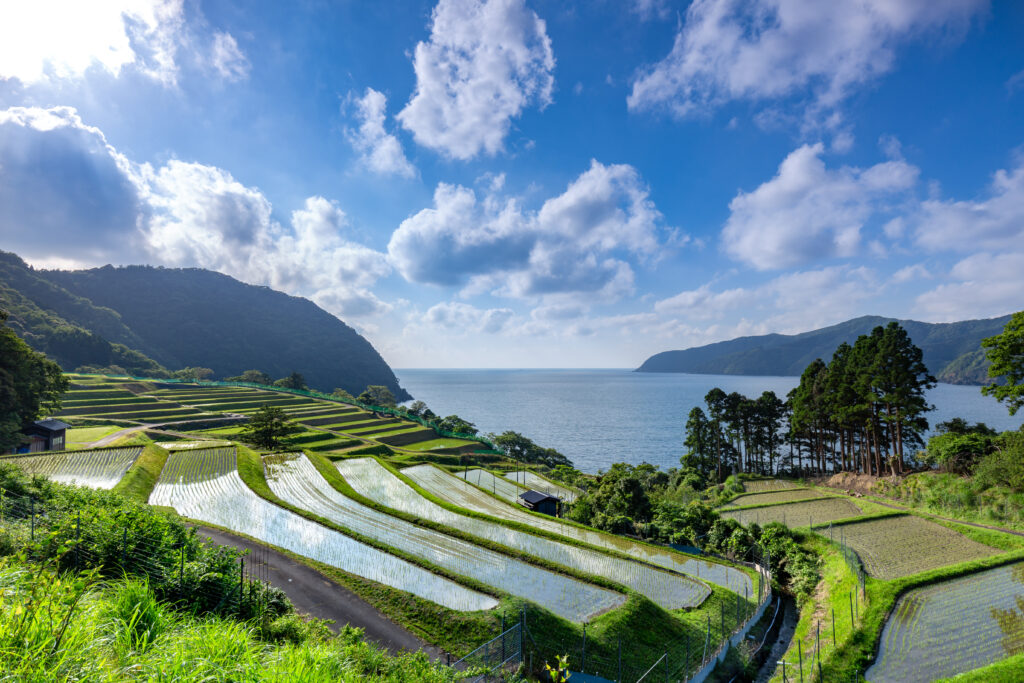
(531, 183)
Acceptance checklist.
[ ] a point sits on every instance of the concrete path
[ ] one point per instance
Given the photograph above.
(313, 593)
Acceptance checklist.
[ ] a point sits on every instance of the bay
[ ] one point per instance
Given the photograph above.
(599, 417)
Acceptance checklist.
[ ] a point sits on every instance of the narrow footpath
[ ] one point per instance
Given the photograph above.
(314, 594)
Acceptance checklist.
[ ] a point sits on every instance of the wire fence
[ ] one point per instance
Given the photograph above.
(831, 629)
(499, 655)
(180, 569)
(687, 657)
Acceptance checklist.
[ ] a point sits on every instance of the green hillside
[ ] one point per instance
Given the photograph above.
(947, 347)
(148, 320)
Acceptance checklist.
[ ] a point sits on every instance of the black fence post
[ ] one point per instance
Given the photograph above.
(583, 659)
(241, 582)
(33, 520)
(800, 659)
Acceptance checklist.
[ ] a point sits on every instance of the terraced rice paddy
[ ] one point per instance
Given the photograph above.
(498, 486)
(296, 480)
(671, 591)
(204, 485)
(458, 492)
(765, 485)
(532, 480)
(802, 513)
(97, 469)
(772, 497)
(951, 627)
(190, 445)
(893, 547)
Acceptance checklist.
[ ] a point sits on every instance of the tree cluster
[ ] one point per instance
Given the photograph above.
(524, 450)
(31, 386)
(863, 411)
(267, 427)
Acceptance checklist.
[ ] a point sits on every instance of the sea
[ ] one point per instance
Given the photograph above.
(600, 417)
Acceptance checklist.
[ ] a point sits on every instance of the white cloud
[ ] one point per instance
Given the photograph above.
(790, 303)
(773, 49)
(227, 59)
(911, 273)
(381, 152)
(47, 40)
(996, 222)
(982, 285)
(204, 217)
(460, 317)
(62, 180)
(809, 212)
(577, 242)
(485, 62)
(651, 9)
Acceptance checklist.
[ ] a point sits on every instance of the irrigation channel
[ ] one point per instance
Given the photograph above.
(295, 480)
(205, 485)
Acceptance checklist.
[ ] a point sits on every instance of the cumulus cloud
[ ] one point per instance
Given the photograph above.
(982, 285)
(63, 180)
(380, 151)
(204, 217)
(60, 178)
(808, 212)
(772, 49)
(576, 243)
(996, 222)
(52, 40)
(485, 62)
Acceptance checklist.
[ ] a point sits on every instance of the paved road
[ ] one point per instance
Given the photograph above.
(313, 593)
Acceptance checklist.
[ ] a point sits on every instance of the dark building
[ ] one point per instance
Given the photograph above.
(44, 435)
(540, 502)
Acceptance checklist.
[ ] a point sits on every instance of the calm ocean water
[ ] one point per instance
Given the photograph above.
(598, 417)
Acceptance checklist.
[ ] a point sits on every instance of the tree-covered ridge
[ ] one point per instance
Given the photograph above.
(145, 320)
(948, 349)
(67, 328)
(863, 411)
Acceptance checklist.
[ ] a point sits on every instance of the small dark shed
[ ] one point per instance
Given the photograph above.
(44, 435)
(540, 502)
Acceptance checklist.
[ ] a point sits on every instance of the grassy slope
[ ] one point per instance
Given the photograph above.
(141, 477)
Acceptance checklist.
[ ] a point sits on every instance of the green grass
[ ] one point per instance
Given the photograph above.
(118, 631)
(1009, 670)
(80, 437)
(141, 477)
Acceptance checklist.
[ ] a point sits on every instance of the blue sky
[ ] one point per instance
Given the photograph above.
(525, 183)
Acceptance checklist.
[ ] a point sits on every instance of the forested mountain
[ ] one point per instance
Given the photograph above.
(950, 350)
(142, 318)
